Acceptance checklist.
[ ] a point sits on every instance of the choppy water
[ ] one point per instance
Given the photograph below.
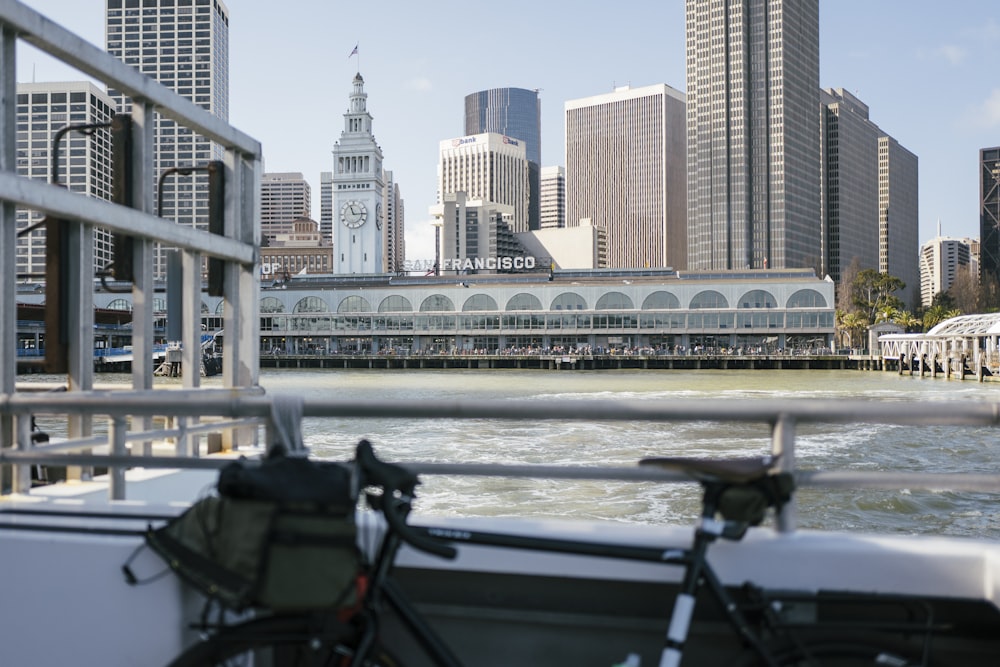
(862, 447)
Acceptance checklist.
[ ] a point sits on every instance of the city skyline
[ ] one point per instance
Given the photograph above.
(890, 57)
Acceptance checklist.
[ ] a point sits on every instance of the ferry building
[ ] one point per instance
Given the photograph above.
(656, 311)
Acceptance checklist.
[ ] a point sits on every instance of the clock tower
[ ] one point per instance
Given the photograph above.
(357, 181)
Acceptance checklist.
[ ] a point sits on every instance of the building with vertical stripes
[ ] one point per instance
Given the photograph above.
(753, 134)
(488, 167)
(552, 203)
(394, 226)
(284, 198)
(84, 159)
(625, 173)
(517, 113)
(183, 44)
(898, 217)
(941, 260)
(326, 205)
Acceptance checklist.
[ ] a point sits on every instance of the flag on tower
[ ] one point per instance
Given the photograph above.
(353, 52)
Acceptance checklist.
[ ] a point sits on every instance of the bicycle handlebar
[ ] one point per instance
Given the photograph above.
(393, 478)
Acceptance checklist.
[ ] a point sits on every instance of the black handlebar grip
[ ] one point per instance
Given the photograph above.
(392, 478)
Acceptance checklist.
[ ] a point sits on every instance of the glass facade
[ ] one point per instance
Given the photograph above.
(516, 113)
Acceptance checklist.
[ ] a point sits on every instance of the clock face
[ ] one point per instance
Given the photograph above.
(353, 214)
(378, 214)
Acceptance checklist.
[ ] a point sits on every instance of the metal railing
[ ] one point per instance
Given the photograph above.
(236, 246)
(222, 409)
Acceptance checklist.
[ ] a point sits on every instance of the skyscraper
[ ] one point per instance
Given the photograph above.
(285, 197)
(514, 112)
(898, 234)
(394, 225)
(84, 159)
(625, 173)
(753, 134)
(553, 200)
(989, 214)
(183, 44)
(869, 196)
(488, 167)
(941, 260)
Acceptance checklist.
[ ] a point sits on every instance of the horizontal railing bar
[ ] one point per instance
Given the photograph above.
(229, 404)
(983, 483)
(51, 38)
(66, 204)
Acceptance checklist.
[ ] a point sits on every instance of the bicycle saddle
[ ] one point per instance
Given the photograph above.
(737, 471)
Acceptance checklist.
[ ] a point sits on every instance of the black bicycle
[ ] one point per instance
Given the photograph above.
(736, 494)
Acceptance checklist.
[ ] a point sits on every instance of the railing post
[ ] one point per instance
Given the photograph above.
(117, 430)
(783, 446)
(22, 473)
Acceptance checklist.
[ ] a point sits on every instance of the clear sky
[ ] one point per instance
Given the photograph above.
(927, 69)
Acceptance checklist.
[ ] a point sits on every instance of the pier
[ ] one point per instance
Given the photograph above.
(567, 362)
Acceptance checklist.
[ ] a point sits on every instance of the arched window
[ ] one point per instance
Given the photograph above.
(660, 300)
(354, 304)
(806, 298)
(436, 302)
(614, 301)
(121, 304)
(270, 304)
(568, 301)
(708, 299)
(204, 308)
(311, 304)
(757, 298)
(395, 303)
(524, 301)
(479, 302)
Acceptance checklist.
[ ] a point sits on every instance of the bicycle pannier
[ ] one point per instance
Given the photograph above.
(280, 535)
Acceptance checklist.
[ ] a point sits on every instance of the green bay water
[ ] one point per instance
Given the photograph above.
(822, 446)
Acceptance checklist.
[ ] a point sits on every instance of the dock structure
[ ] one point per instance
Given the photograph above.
(961, 347)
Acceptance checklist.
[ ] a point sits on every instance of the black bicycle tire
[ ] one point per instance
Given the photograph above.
(287, 632)
(844, 650)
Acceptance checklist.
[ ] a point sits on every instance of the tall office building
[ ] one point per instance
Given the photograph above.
(898, 217)
(753, 134)
(869, 196)
(488, 167)
(625, 172)
(326, 205)
(941, 259)
(552, 203)
(285, 197)
(183, 44)
(517, 113)
(84, 160)
(394, 225)
(989, 214)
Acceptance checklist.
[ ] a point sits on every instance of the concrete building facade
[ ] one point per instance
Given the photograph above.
(184, 46)
(625, 172)
(899, 233)
(84, 160)
(284, 198)
(553, 198)
(941, 259)
(753, 134)
(488, 167)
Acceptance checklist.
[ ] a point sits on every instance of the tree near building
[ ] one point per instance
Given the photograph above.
(873, 292)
